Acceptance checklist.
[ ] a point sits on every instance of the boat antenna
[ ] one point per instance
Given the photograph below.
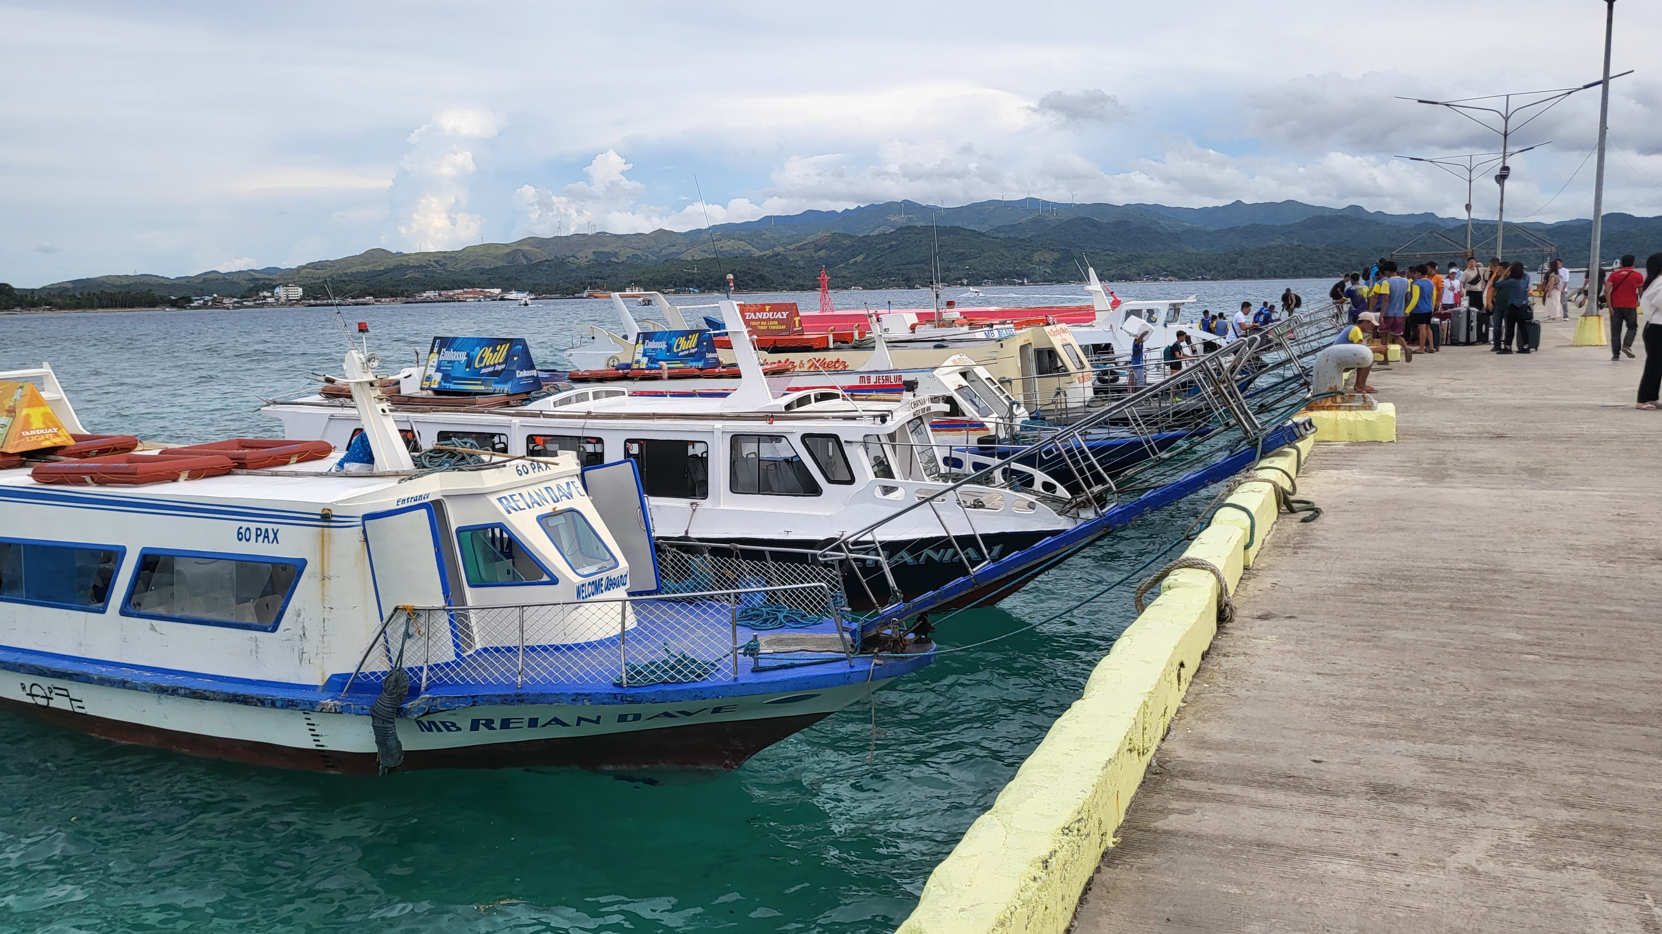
(340, 319)
(935, 264)
(707, 229)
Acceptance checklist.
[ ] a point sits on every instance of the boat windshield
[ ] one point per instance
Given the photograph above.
(578, 542)
(989, 391)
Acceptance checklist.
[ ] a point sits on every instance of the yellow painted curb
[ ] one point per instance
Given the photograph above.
(1023, 865)
(1589, 332)
(1349, 425)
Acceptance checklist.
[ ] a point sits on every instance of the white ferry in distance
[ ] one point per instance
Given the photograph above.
(262, 601)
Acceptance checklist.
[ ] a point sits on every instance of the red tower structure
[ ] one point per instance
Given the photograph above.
(824, 290)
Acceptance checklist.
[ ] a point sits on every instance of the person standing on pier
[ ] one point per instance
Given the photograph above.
(1497, 312)
(1622, 288)
(1471, 279)
(1650, 302)
(1390, 299)
(1511, 305)
(1422, 304)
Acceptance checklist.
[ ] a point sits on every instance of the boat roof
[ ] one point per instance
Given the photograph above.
(308, 483)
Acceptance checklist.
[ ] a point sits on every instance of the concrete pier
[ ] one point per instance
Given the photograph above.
(1441, 706)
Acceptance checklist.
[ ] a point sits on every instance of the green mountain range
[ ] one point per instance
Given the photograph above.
(897, 245)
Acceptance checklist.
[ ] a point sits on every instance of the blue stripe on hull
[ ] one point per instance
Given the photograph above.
(330, 698)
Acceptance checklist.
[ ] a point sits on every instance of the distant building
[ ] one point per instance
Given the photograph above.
(287, 293)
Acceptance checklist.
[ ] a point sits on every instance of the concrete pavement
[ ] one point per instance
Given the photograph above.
(1440, 708)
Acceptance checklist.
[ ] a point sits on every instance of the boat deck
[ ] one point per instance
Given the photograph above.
(1440, 708)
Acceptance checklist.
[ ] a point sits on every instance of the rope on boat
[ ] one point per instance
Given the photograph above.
(383, 714)
(1226, 606)
(768, 616)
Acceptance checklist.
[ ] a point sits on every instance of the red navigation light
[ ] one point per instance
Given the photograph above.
(363, 327)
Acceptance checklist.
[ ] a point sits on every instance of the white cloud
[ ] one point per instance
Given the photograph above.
(437, 168)
(609, 201)
(44, 248)
(233, 265)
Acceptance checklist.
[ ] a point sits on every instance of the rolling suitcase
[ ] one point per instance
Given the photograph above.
(1483, 319)
(1457, 322)
(1532, 333)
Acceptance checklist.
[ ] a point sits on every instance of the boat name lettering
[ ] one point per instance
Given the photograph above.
(948, 555)
(47, 695)
(881, 379)
(600, 585)
(258, 534)
(494, 724)
(540, 497)
(410, 500)
(527, 468)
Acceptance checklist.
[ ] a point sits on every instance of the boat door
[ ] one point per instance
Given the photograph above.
(615, 490)
(1029, 376)
(412, 564)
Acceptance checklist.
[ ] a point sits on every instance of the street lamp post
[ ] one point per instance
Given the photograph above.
(1470, 108)
(1467, 166)
(1598, 171)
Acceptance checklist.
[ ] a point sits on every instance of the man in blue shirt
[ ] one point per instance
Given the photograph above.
(1264, 316)
(1357, 295)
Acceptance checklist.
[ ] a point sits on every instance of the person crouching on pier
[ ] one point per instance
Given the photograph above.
(1362, 334)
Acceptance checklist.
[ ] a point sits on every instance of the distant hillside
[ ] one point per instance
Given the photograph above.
(891, 245)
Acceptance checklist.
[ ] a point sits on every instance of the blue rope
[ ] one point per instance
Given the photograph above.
(1252, 522)
(769, 616)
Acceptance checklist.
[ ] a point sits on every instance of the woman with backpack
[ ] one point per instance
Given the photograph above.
(1650, 308)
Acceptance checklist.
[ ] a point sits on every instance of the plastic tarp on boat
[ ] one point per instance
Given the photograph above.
(615, 490)
(27, 422)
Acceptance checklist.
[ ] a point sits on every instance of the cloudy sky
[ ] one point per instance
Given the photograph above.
(177, 138)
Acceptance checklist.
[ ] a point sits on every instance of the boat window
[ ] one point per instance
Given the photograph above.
(974, 401)
(671, 466)
(411, 442)
(52, 574)
(923, 450)
(578, 542)
(1047, 361)
(225, 590)
(988, 391)
(491, 555)
(827, 452)
(1172, 313)
(768, 464)
(483, 440)
(1073, 355)
(589, 451)
(879, 457)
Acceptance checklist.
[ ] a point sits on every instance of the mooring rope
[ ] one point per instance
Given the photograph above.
(1226, 606)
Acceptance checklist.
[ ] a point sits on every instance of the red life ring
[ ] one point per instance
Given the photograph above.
(256, 453)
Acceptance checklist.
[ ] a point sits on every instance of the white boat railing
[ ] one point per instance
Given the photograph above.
(611, 642)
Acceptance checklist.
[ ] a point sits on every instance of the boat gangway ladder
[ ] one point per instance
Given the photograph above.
(1203, 406)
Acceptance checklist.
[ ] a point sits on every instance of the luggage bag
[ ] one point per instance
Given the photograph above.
(1532, 333)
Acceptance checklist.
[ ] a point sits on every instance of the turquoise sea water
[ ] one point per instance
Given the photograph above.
(833, 830)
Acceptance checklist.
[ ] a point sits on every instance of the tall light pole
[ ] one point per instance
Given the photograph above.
(1466, 166)
(1598, 171)
(1470, 108)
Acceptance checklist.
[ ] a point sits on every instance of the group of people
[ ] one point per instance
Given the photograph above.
(1417, 305)
(1390, 306)
(1219, 330)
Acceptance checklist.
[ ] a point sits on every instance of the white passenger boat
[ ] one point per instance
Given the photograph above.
(1041, 364)
(788, 473)
(263, 601)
